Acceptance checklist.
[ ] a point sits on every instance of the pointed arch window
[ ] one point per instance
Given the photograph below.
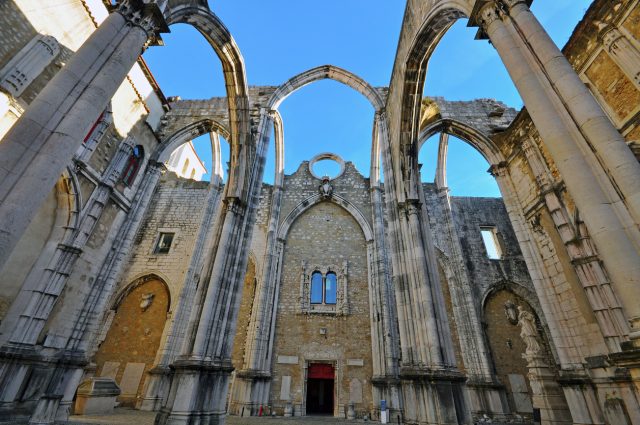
(133, 165)
(316, 288)
(330, 288)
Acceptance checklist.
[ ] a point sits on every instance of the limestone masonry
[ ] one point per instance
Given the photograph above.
(122, 274)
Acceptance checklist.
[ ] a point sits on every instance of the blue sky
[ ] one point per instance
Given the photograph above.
(279, 39)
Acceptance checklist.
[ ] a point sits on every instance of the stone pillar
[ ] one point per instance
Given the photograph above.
(253, 381)
(621, 50)
(91, 141)
(158, 384)
(427, 370)
(441, 168)
(384, 336)
(487, 396)
(40, 145)
(606, 215)
(593, 124)
(202, 372)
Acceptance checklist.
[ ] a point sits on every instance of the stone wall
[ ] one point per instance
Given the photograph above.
(129, 349)
(176, 207)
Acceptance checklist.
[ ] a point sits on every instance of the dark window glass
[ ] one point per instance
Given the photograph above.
(133, 165)
(330, 285)
(316, 288)
(164, 243)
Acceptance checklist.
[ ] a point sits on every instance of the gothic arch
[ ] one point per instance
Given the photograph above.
(323, 72)
(466, 132)
(189, 132)
(316, 199)
(434, 26)
(241, 144)
(347, 78)
(141, 280)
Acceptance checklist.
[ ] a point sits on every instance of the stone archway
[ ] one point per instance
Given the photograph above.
(129, 349)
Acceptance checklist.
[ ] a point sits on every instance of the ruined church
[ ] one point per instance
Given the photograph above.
(126, 280)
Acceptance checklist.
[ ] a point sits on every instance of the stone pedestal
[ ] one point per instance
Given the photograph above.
(547, 394)
(96, 396)
(198, 393)
(159, 383)
(423, 388)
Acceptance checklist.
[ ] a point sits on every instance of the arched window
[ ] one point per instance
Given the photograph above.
(316, 288)
(133, 165)
(323, 288)
(330, 288)
(185, 167)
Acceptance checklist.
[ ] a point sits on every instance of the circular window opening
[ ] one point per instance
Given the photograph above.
(327, 168)
(326, 165)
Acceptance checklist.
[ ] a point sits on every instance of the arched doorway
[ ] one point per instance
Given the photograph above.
(129, 349)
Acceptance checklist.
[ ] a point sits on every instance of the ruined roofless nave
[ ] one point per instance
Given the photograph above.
(126, 280)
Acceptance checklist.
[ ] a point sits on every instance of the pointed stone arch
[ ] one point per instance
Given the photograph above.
(316, 199)
(323, 72)
(242, 149)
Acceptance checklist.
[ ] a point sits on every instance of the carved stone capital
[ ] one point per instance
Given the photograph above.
(147, 16)
(485, 12)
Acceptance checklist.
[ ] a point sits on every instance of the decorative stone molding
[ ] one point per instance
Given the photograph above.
(28, 64)
(341, 307)
(621, 50)
(147, 16)
(324, 156)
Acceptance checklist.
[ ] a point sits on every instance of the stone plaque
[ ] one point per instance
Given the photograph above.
(520, 392)
(355, 391)
(131, 379)
(110, 370)
(288, 360)
(355, 362)
(285, 388)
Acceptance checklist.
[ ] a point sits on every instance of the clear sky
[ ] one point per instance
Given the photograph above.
(279, 39)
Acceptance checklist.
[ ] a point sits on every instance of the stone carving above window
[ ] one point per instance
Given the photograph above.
(323, 303)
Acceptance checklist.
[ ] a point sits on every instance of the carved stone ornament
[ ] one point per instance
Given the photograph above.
(341, 307)
(325, 188)
(146, 301)
(511, 311)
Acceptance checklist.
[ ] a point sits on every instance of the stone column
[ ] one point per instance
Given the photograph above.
(40, 145)
(487, 395)
(592, 123)
(384, 337)
(202, 372)
(158, 384)
(253, 381)
(611, 226)
(441, 168)
(621, 50)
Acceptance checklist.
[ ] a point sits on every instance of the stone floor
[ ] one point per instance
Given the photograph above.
(129, 416)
